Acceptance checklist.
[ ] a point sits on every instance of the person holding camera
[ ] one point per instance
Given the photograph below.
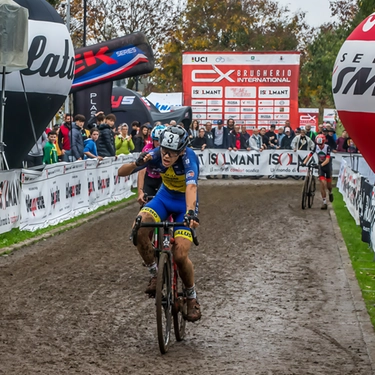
(123, 142)
(96, 120)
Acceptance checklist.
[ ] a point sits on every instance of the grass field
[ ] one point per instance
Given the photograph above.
(360, 253)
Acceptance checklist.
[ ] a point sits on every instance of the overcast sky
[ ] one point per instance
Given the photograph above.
(317, 11)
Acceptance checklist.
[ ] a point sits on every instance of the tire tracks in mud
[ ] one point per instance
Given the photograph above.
(274, 294)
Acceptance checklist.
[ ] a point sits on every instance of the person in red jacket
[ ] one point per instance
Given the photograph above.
(64, 137)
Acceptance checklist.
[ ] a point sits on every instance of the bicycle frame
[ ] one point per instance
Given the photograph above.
(309, 186)
(169, 301)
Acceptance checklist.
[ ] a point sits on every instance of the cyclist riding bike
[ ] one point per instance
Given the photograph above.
(323, 151)
(179, 167)
(149, 179)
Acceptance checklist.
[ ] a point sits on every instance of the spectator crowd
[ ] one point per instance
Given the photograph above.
(99, 137)
(235, 137)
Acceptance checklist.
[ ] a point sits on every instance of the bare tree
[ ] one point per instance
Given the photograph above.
(109, 19)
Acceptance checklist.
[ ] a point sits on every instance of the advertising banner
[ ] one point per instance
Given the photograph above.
(254, 89)
(9, 200)
(251, 163)
(104, 181)
(367, 210)
(59, 207)
(350, 188)
(121, 185)
(164, 102)
(127, 56)
(76, 191)
(64, 190)
(330, 115)
(35, 202)
(90, 100)
(309, 116)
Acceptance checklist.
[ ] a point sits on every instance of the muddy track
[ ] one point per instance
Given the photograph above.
(274, 295)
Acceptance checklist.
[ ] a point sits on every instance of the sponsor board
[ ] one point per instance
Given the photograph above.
(65, 190)
(9, 201)
(308, 116)
(267, 82)
(232, 109)
(251, 163)
(232, 102)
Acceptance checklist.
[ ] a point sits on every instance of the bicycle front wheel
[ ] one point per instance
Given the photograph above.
(311, 191)
(305, 191)
(164, 303)
(179, 310)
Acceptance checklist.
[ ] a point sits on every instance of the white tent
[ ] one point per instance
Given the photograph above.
(164, 102)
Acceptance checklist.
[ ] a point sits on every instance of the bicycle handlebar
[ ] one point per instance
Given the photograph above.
(312, 165)
(163, 224)
(147, 197)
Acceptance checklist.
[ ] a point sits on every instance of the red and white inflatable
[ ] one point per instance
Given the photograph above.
(353, 85)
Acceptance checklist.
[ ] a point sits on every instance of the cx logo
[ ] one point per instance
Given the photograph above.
(218, 75)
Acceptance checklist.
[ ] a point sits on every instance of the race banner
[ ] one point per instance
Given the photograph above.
(104, 181)
(76, 190)
(330, 115)
(35, 202)
(59, 206)
(367, 210)
(247, 163)
(121, 185)
(65, 190)
(92, 182)
(309, 116)
(350, 188)
(251, 88)
(251, 163)
(9, 200)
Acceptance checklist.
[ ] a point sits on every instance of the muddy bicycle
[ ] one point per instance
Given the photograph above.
(170, 298)
(309, 187)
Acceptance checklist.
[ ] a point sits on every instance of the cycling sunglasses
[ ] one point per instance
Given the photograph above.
(171, 154)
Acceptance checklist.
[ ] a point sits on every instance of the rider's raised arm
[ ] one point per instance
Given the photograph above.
(127, 169)
(143, 160)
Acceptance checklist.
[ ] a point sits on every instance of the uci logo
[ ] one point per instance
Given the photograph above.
(199, 59)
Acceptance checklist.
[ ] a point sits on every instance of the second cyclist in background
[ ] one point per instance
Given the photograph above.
(323, 151)
(149, 180)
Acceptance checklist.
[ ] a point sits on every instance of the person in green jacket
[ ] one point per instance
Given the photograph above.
(124, 143)
(49, 150)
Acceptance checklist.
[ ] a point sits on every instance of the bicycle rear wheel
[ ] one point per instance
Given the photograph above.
(164, 303)
(311, 191)
(179, 310)
(305, 191)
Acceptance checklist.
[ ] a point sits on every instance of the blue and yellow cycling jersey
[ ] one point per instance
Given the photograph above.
(170, 199)
(183, 172)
